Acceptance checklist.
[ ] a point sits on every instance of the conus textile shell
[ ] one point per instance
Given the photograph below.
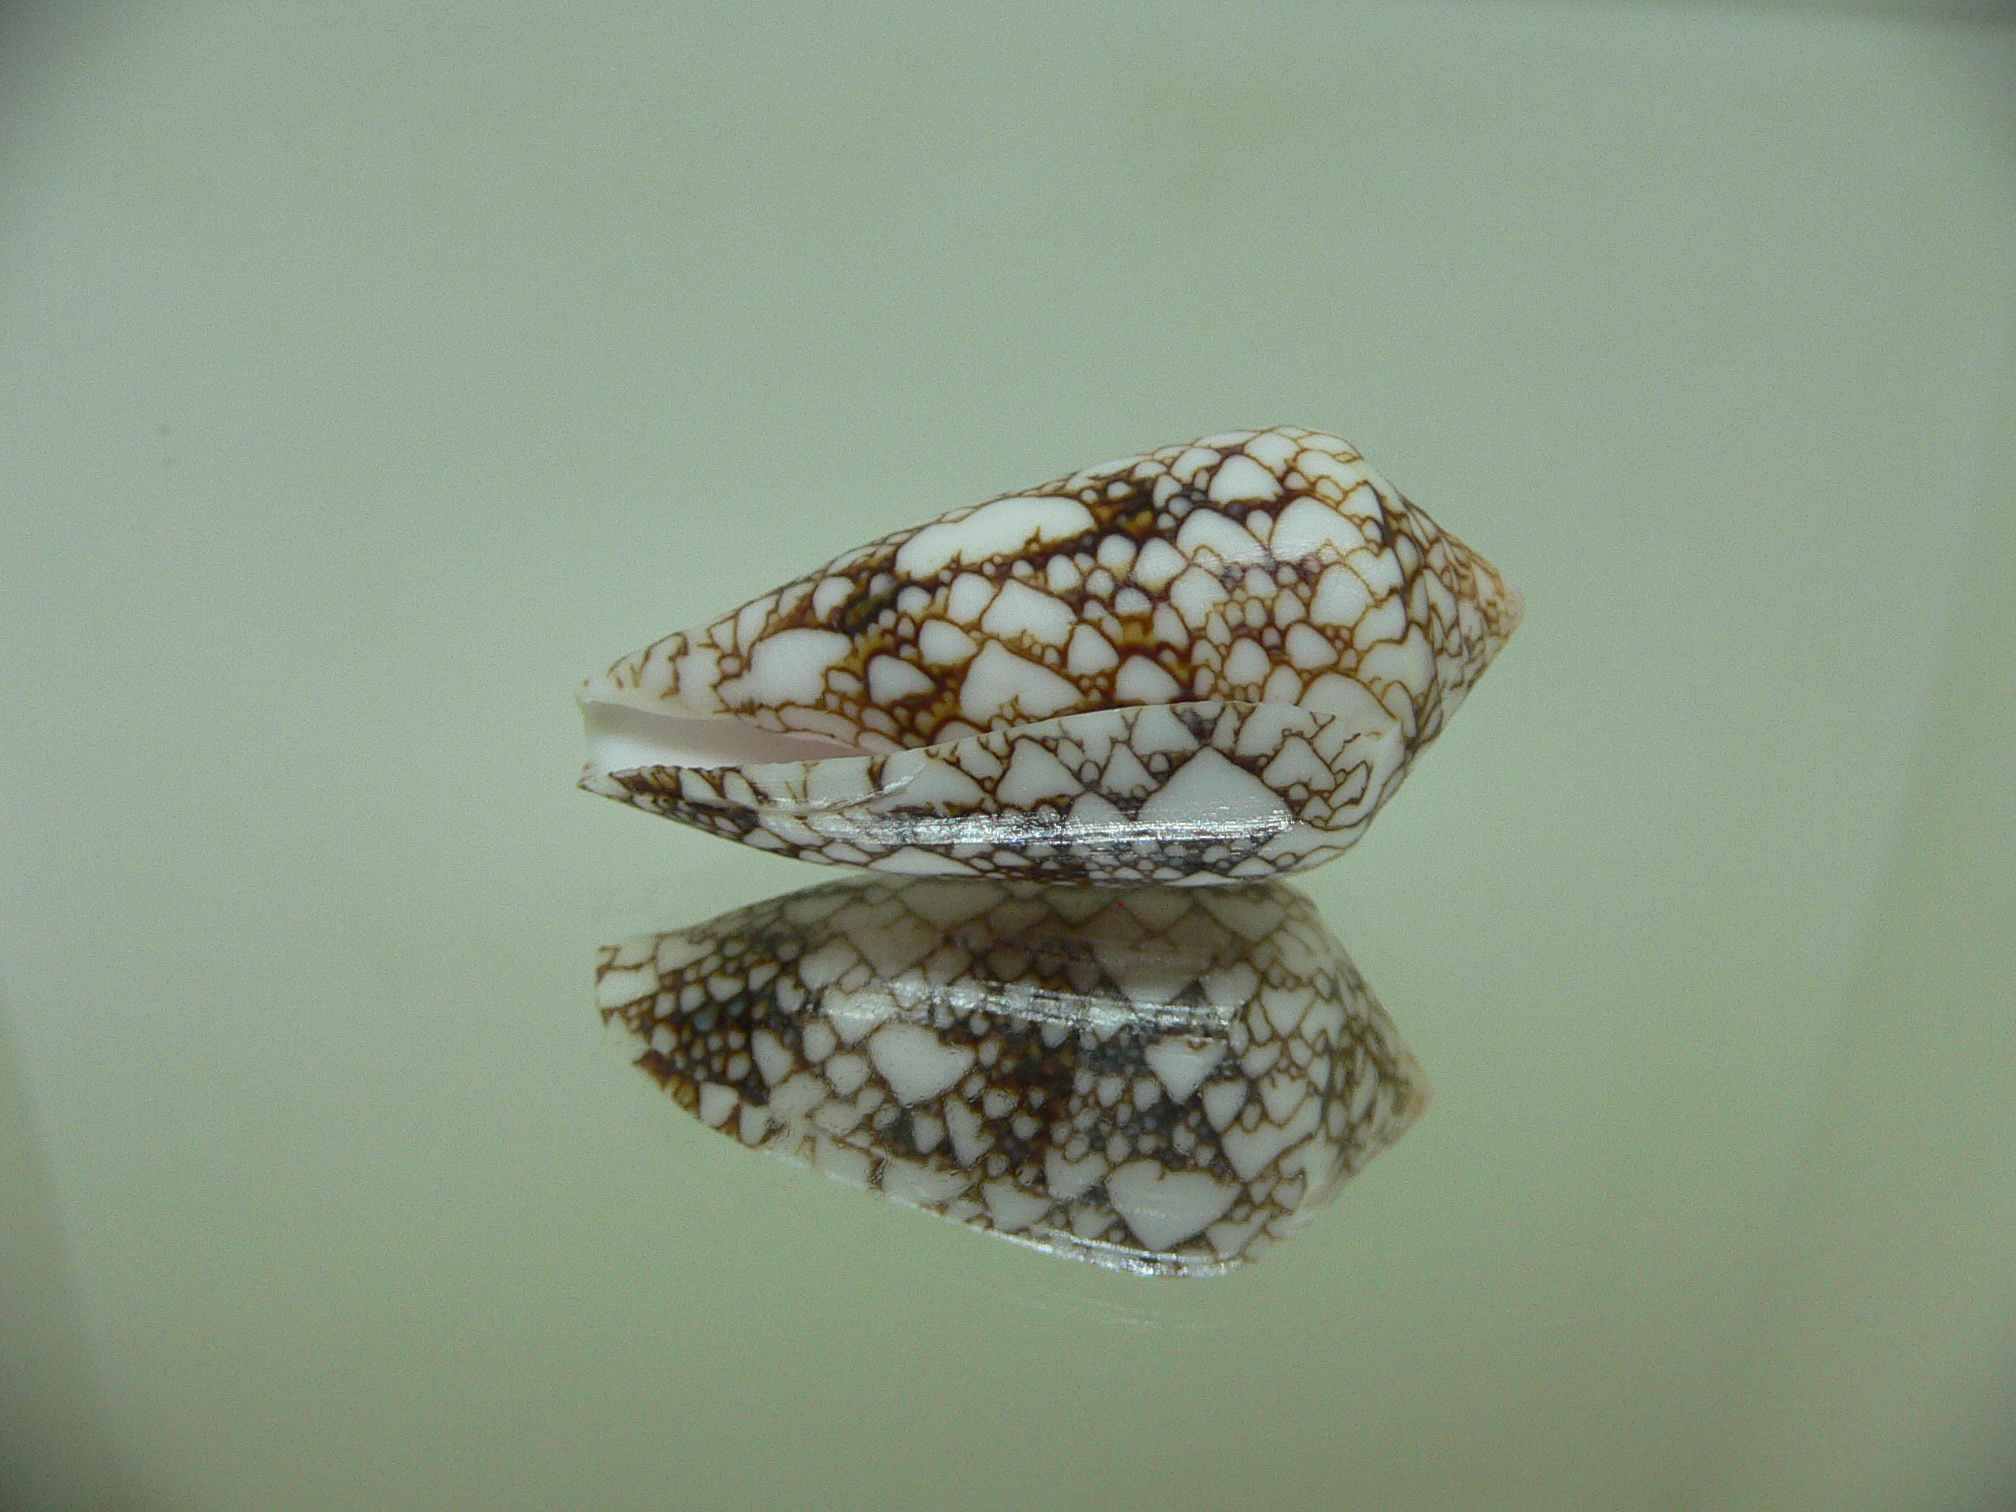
(1159, 1080)
(1213, 662)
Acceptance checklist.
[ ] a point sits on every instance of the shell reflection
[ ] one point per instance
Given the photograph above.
(1157, 1080)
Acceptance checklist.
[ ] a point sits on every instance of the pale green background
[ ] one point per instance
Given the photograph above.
(368, 376)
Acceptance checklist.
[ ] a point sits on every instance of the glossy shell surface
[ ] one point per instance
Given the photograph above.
(1213, 662)
(1157, 1080)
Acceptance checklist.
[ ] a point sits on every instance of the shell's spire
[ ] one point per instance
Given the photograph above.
(1159, 1081)
(1213, 661)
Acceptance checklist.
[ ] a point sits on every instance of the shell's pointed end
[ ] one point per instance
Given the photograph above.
(601, 784)
(1511, 611)
(1501, 606)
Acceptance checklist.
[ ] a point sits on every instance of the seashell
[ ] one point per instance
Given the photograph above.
(1156, 1080)
(1216, 661)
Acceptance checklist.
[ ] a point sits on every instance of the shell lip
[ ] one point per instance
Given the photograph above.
(625, 736)
(1192, 813)
(616, 729)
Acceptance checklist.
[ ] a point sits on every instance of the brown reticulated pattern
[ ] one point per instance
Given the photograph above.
(1247, 568)
(1179, 793)
(1155, 1080)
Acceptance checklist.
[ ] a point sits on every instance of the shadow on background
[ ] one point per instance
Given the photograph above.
(55, 1455)
(1882, 1371)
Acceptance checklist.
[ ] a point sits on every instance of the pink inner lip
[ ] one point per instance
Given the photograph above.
(622, 738)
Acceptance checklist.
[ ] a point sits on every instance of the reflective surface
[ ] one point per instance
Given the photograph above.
(1159, 1081)
(368, 374)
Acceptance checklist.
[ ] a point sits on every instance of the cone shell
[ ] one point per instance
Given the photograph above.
(1156, 1080)
(1213, 662)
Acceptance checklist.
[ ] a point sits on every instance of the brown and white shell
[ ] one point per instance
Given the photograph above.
(1213, 662)
(1158, 1080)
